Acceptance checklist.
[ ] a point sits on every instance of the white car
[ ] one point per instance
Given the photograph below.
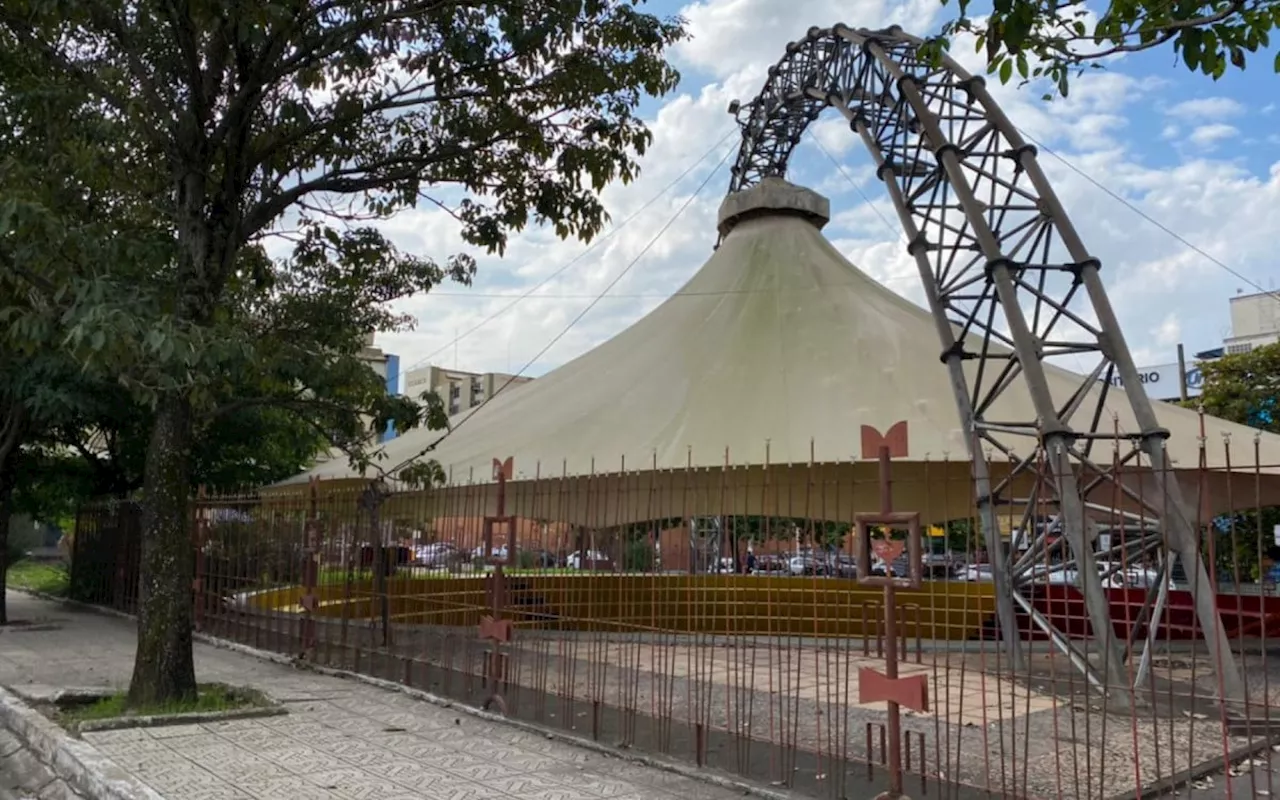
(975, 572)
(577, 561)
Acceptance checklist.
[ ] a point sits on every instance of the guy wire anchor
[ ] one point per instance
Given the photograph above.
(911, 691)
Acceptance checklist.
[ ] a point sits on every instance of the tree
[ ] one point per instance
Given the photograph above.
(1244, 387)
(60, 219)
(334, 110)
(1054, 40)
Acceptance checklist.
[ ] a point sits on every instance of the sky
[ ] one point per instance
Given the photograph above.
(1197, 157)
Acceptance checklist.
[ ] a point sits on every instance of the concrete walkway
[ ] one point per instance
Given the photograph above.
(341, 740)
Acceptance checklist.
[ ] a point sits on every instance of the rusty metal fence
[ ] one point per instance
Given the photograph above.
(745, 642)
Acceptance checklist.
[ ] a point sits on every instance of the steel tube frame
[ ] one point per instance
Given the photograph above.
(1009, 283)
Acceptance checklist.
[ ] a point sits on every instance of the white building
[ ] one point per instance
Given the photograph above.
(1255, 321)
(460, 390)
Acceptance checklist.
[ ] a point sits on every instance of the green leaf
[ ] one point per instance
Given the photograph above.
(1006, 70)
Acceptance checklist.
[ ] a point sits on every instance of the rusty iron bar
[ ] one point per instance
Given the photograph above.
(755, 674)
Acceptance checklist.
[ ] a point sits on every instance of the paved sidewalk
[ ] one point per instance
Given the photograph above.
(341, 740)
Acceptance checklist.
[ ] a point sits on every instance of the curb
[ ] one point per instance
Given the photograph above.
(663, 765)
(87, 771)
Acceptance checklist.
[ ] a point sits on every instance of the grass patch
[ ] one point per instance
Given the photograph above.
(211, 698)
(36, 576)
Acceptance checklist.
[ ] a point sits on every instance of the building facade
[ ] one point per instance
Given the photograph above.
(1255, 321)
(460, 390)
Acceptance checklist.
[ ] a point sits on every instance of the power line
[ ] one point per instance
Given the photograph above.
(627, 269)
(661, 296)
(895, 230)
(1161, 226)
(594, 244)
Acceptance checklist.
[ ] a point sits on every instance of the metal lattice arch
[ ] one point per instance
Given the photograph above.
(1000, 260)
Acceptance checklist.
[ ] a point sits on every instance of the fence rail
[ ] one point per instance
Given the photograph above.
(743, 642)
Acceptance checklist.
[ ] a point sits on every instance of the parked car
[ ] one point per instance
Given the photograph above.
(770, 564)
(499, 552)
(975, 573)
(592, 560)
(437, 555)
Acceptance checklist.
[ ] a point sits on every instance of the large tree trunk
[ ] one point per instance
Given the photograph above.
(164, 667)
(13, 428)
(6, 513)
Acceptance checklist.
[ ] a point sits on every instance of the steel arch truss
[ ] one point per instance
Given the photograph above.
(1010, 284)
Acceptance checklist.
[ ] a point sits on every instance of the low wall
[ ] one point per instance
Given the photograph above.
(709, 604)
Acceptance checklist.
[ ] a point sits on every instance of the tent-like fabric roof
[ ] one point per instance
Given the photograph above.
(778, 350)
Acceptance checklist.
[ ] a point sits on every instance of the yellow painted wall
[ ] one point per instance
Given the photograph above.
(713, 604)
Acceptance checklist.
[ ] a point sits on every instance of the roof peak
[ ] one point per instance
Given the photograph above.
(773, 197)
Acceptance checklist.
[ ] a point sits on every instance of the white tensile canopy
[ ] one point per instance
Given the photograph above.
(777, 351)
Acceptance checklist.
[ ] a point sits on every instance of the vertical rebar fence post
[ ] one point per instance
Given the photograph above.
(911, 691)
(371, 501)
(493, 628)
(310, 568)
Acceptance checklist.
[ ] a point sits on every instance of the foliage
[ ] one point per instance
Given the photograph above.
(22, 537)
(35, 576)
(638, 556)
(305, 119)
(1054, 40)
(822, 533)
(1244, 387)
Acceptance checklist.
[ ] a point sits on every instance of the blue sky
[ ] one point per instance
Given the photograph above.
(1194, 154)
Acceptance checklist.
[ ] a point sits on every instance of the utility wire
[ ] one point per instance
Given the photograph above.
(627, 269)
(596, 243)
(662, 296)
(896, 230)
(1161, 226)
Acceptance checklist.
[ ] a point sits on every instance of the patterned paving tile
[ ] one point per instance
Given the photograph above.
(301, 760)
(124, 735)
(523, 785)
(339, 741)
(596, 784)
(354, 784)
(175, 731)
(562, 793)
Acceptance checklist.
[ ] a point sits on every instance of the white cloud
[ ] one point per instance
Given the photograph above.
(1163, 291)
(1210, 135)
(1205, 108)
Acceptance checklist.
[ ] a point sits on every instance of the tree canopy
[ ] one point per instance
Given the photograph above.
(1046, 38)
(1244, 387)
(261, 119)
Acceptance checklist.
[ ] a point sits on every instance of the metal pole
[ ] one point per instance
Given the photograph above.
(894, 723)
(1177, 520)
(1182, 373)
(1005, 611)
(1057, 437)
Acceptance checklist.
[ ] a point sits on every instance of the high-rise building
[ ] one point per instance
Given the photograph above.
(1255, 321)
(460, 390)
